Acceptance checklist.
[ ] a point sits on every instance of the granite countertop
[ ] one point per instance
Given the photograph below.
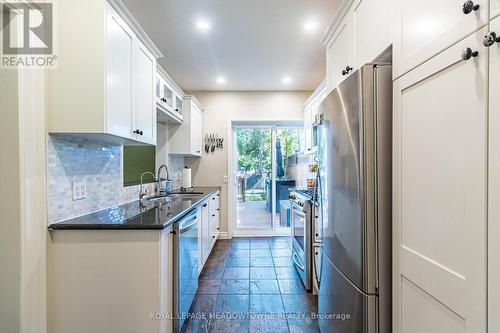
(130, 216)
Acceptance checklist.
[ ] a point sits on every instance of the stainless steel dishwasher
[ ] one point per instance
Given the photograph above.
(185, 275)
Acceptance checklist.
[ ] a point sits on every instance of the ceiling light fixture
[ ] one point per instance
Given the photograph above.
(203, 26)
(310, 26)
(221, 80)
(287, 80)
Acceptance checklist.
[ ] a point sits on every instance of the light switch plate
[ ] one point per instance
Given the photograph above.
(79, 190)
(225, 178)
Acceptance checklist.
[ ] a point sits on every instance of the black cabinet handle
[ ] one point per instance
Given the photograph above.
(213, 198)
(213, 236)
(136, 131)
(218, 228)
(343, 73)
(218, 209)
(218, 194)
(140, 132)
(467, 53)
(491, 38)
(469, 6)
(347, 70)
(204, 205)
(213, 215)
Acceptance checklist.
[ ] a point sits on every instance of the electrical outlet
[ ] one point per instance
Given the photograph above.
(79, 190)
(225, 178)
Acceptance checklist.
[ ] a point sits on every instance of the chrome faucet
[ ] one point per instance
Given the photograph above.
(159, 189)
(141, 193)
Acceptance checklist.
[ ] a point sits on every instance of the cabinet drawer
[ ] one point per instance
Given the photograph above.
(422, 31)
(213, 204)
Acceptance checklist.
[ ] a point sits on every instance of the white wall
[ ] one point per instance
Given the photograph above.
(220, 109)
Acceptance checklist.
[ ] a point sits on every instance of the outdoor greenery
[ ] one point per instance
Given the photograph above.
(254, 148)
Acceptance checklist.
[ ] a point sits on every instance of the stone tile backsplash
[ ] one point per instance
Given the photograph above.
(100, 167)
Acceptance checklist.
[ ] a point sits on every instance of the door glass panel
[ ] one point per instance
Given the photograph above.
(288, 143)
(254, 177)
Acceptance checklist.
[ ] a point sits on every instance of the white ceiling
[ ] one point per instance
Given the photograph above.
(253, 44)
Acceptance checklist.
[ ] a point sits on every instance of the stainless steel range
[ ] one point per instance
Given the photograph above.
(302, 234)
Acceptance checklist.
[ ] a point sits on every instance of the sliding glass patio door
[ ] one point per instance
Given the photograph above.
(260, 177)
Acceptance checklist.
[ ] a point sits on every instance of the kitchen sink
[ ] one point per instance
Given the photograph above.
(173, 196)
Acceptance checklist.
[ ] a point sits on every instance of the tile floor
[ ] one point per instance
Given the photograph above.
(250, 285)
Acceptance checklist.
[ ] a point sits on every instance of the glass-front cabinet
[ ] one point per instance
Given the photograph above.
(168, 99)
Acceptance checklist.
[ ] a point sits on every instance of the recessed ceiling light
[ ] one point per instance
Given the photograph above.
(310, 26)
(221, 80)
(287, 80)
(203, 25)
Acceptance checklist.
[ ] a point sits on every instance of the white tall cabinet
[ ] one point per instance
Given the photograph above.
(494, 183)
(440, 184)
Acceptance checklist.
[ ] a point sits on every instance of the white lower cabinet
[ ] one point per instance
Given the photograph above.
(111, 280)
(494, 185)
(440, 191)
(209, 231)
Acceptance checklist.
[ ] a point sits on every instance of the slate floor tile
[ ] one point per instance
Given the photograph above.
(212, 273)
(232, 304)
(268, 325)
(236, 287)
(209, 286)
(286, 273)
(262, 273)
(304, 303)
(264, 287)
(261, 262)
(229, 325)
(237, 262)
(266, 303)
(291, 286)
(303, 325)
(236, 273)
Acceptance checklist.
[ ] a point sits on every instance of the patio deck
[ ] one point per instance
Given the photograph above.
(253, 214)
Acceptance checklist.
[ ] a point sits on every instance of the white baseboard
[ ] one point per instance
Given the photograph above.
(223, 235)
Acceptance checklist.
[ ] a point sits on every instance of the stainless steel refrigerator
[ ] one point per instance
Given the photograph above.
(353, 245)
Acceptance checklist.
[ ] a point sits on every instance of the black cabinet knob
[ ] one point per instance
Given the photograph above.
(205, 205)
(468, 53)
(491, 38)
(348, 69)
(469, 6)
(218, 209)
(213, 215)
(344, 72)
(136, 131)
(140, 132)
(213, 236)
(317, 234)
(218, 228)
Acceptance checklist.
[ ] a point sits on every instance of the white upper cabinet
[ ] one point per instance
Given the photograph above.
(423, 29)
(186, 139)
(120, 51)
(103, 88)
(440, 191)
(168, 95)
(145, 115)
(371, 29)
(339, 62)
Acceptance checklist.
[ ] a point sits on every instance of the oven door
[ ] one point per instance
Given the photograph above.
(301, 247)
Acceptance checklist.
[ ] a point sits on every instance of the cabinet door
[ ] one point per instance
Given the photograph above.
(119, 72)
(494, 185)
(205, 232)
(424, 30)
(494, 8)
(371, 30)
(339, 53)
(308, 128)
(440, 163)
(145, 115)
(196, 129)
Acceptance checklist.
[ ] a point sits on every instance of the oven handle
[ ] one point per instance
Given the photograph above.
(296, 259)
(299, 210)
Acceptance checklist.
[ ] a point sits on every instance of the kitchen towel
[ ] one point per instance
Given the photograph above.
(186, 177)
